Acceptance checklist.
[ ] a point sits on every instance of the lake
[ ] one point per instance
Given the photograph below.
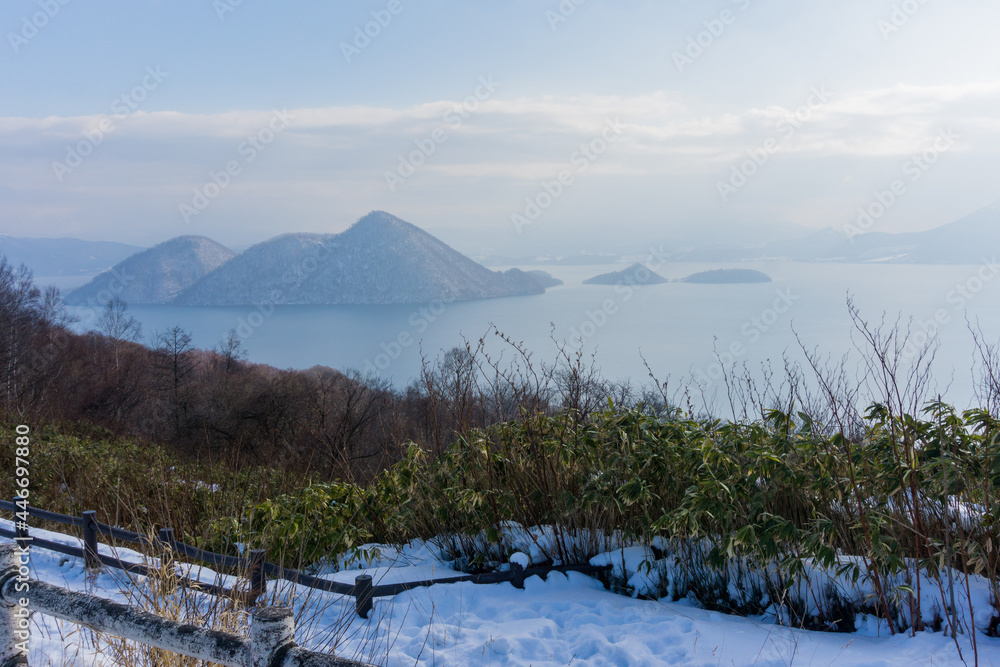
(675, 326)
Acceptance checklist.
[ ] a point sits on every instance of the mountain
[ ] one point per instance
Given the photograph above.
(717, 241)
(637, 274)
(378, 260)
(155, 275)
(965, 241)
(65, 256)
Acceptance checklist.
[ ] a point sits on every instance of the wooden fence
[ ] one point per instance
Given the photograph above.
(253, 570)
(271, 641)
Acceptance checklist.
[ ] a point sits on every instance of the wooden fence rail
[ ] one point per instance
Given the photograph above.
(253, 570)
(272, 629)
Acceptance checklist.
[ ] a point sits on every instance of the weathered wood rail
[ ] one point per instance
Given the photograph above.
(272, 629)
(254, 570)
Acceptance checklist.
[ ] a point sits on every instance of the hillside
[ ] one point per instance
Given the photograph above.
(965, 241)
(64, 256)
(155, 275)
(379, 260)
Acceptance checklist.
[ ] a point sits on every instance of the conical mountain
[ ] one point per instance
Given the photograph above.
(378, 260)
(155, 275)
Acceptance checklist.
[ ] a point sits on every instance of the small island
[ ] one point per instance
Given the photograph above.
(727, 276)
(637, 274)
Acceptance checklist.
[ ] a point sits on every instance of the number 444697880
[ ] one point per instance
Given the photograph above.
(21, 472)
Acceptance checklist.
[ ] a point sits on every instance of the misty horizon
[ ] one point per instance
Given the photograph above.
(711, 126)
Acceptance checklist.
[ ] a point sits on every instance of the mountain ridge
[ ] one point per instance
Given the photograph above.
(155, 275)
(380, 259)
(962, 241)
(65, 256)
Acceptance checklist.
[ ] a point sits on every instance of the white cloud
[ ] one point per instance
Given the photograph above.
(338, 157)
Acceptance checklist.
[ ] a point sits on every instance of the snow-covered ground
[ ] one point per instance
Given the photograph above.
(566, 620)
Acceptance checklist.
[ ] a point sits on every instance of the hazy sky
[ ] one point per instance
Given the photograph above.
(139, 120)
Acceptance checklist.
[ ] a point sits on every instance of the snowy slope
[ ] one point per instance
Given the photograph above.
(565, 620)
(379, 260)
(155, 275)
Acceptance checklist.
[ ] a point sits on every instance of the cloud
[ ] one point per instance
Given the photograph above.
(486, 154)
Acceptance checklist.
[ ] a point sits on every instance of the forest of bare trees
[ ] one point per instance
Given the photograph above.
(214, 403)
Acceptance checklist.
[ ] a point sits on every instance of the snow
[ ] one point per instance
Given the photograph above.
(520, 558)
(157, 274)
(634, 564)
(567, 619)
(379, 260)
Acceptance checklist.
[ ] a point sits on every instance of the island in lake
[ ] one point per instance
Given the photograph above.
(637, 274)
(728, 276)
(380, 259)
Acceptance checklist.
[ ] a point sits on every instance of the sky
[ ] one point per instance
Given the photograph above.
(515, 125)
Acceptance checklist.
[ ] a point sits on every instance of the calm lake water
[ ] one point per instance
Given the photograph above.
(675, 326)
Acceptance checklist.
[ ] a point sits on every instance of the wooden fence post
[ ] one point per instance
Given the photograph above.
(363, 595)
(90, 559)
(272, 632)
(257, 576)
(166, 536)
(14, 623)
(517, 575)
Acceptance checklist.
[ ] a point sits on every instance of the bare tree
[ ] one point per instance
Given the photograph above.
(118, 326)
(986, 370)
(177, 364)
(343, 410)
(28, 318)
(232, 351)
